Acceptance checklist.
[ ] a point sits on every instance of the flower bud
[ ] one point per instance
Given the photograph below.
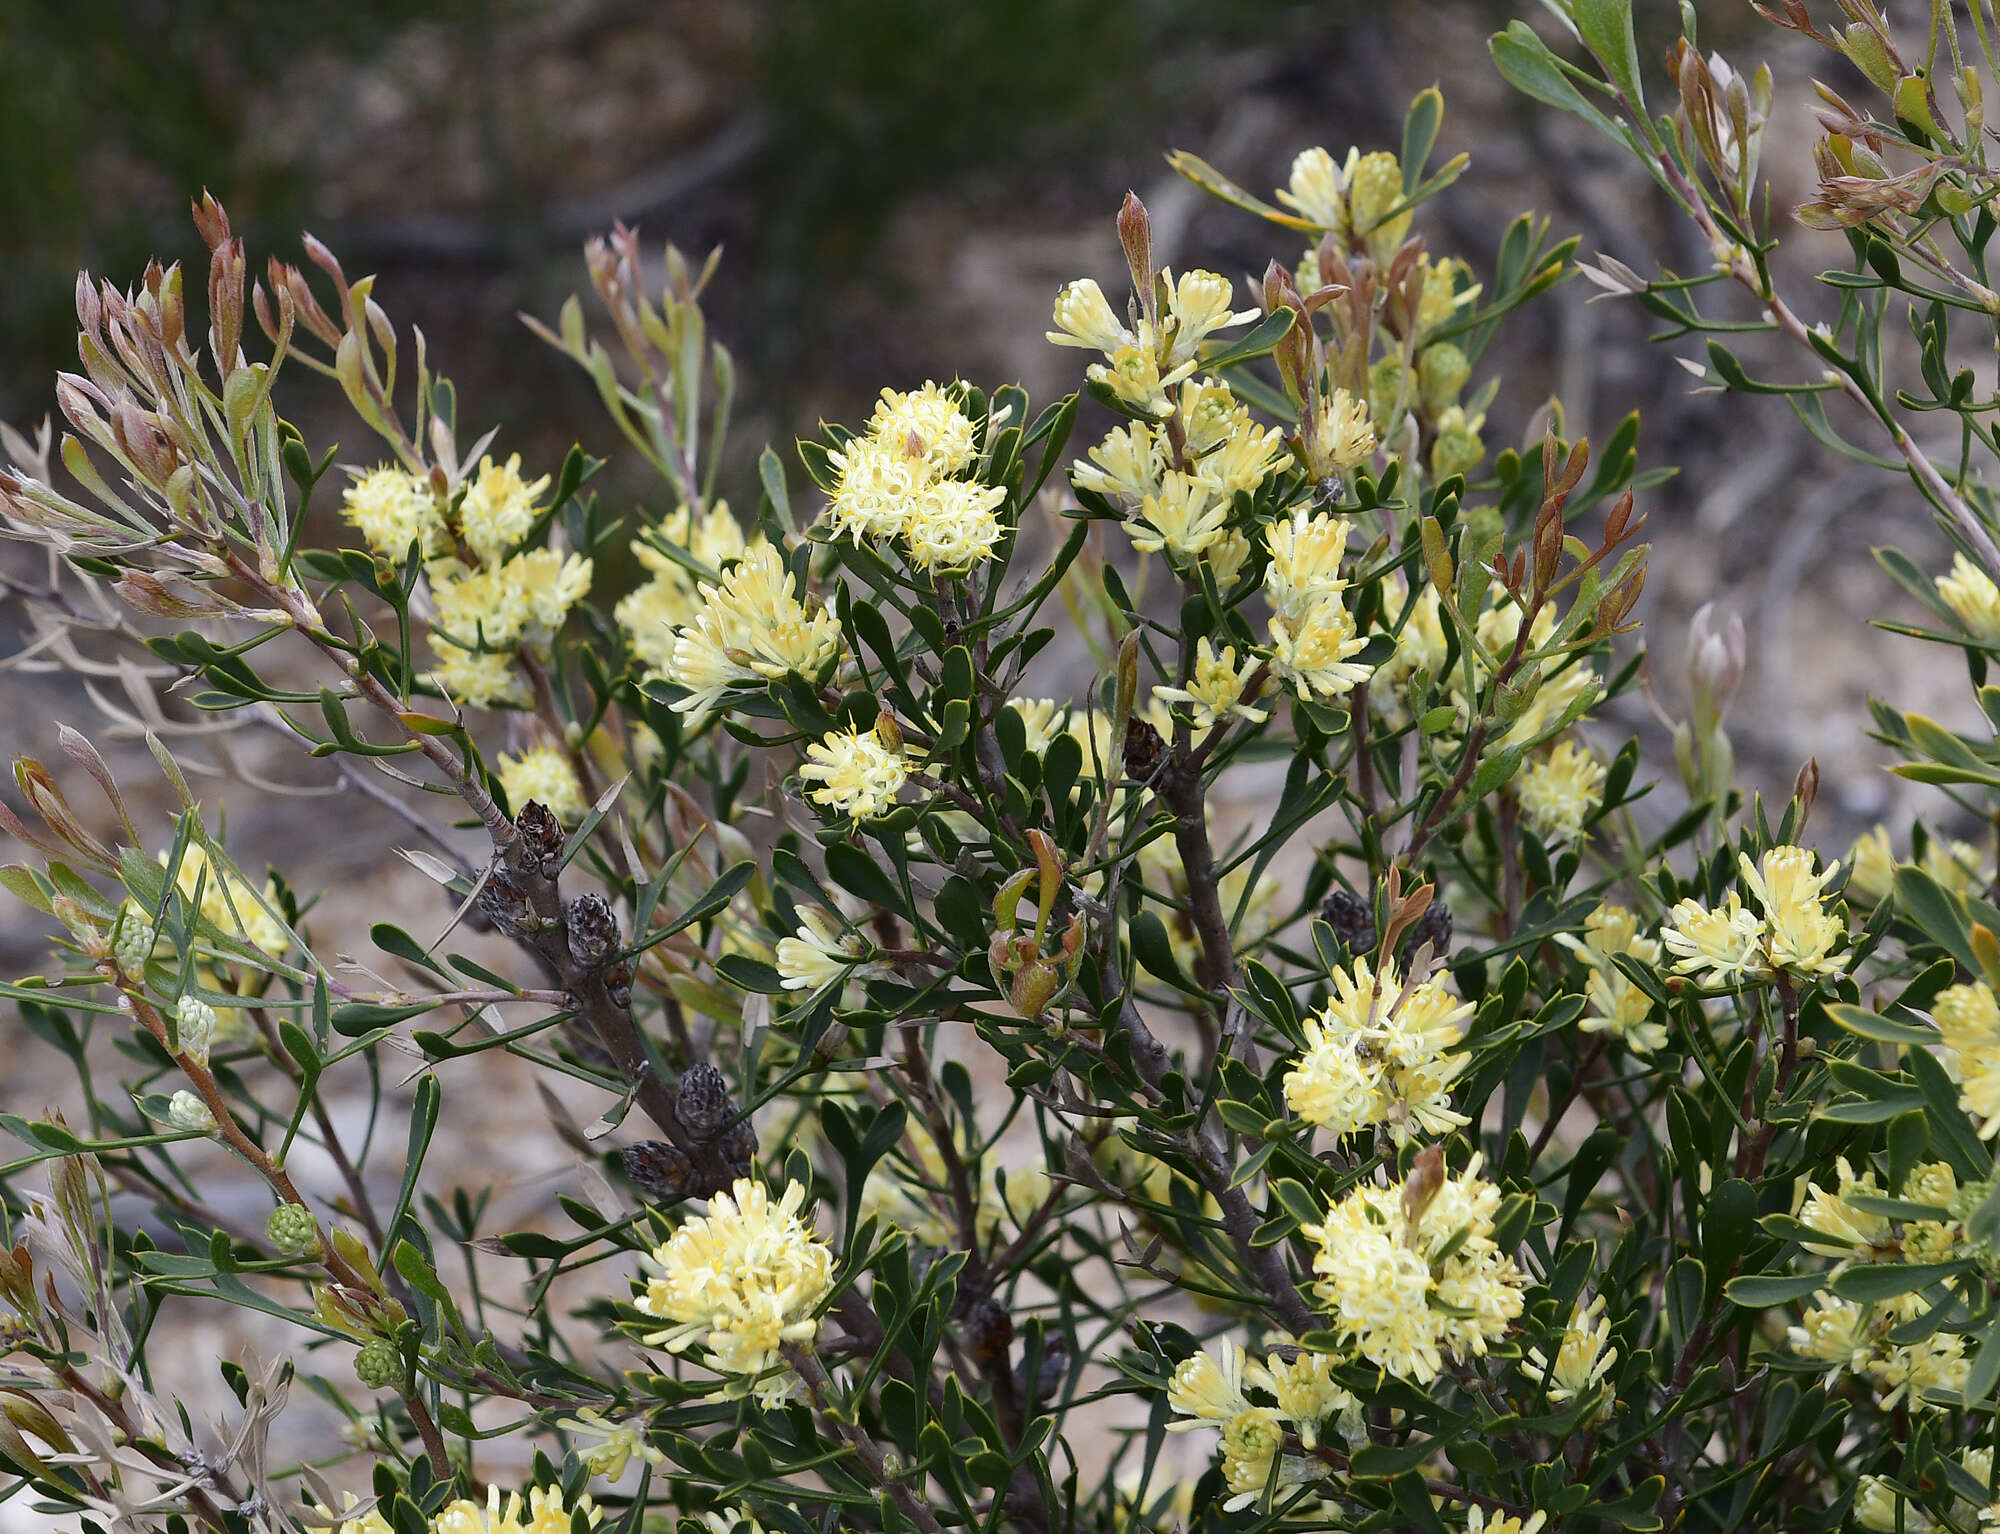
(132, 941)
(1716, 658)
(187, 1111)
(292, 1228)
(1035, 984)
(1135, 233)
(378, 1365)
(194, 1022)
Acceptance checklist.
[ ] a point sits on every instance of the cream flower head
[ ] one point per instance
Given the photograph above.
(858, 772)
(743, 1280)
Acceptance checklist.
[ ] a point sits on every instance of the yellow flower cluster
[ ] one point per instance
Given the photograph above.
(1881, 1510)
(1840, 1226)
(1379, 1054)
(1561, 789)
(1182, 503)
(544, 774)
(1214, 693)
(1341, 435)
(1871, 865)
(394, 508)
(370, 1522)
(1142, 361)
(858, 771)
(1972, 597)
(1731, 943)
(1969, 1019)
(1412, 1276)
(486, 599)
(751, 628)
(818, 953)
(1353, 201)
(544, 1512)
(613, 1445)
(899, 482)
(1312, 632)
(671, 597)
(1857, 1338)
(1617, 1006)
(743, 1281)
(1212, 1390)
(1582, 1357)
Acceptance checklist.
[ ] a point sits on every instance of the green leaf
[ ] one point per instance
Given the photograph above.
(1760, 1291)
(1606, 26)
(1420, 131)
(1259, 341)
(1884, 1281)
(1155, 951)
(1984, 1373)
(1873, 1025)
(748, 974)
(1524, 62)
(857, 873)
(393, 939)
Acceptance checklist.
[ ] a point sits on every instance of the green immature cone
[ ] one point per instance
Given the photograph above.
(292, 1228)
(378, 1365)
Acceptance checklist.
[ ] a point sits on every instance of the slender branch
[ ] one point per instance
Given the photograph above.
(820, 1389)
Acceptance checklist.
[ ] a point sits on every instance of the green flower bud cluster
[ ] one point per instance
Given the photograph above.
(378, 1365)
(132, 943)
(292, 1228)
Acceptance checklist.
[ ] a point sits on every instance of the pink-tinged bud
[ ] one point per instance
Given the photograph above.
(79, 400)
(47, 801)
(1806, 789)
(1135, 233)
(139, 435)
(89, 311)
(212, 220)
(1717, 655)
(323, 258)
(151, 594)
(225, 305)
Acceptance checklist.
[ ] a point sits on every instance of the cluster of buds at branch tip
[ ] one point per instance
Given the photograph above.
(1036, 975)
(361, 1311)
(1722, 118)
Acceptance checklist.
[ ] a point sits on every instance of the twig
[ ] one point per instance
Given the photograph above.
(820, 1389)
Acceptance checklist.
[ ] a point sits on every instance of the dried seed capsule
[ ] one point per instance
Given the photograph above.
(703, 1101)
(989, 1332)
(738, 1147)
(1352, 919)
(501, 900)
(660, 1171)
(1434, 929)
(593, 929)
(1143, 748)
(541, 836)
(618, 982)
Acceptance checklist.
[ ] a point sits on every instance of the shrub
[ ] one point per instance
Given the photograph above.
(1450, 1141)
